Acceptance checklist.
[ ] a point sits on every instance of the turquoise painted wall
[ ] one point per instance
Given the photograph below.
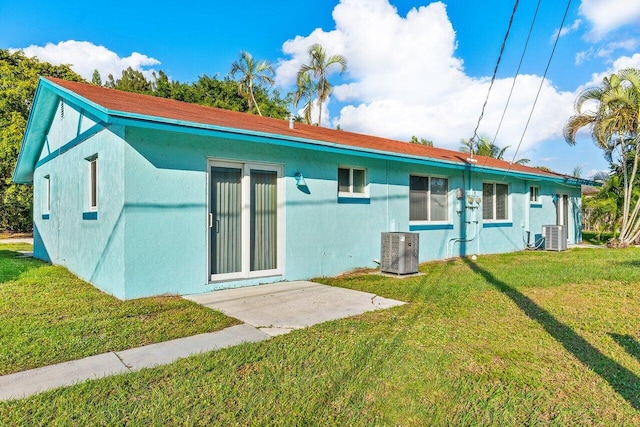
(91, 248)
(150, 236)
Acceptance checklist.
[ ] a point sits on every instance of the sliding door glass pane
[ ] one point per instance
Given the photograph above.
(264, 220)
(226, 232)
(439, 190)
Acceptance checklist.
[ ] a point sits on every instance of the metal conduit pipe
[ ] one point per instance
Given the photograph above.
(455, 240)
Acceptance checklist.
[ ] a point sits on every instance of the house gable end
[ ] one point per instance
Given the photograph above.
(58, 121)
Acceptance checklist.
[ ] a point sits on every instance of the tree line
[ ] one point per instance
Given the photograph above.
(248, 87)
(18, 81)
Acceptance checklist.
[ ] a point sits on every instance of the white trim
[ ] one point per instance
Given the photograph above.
(493, 219)
(245, 271)
(93, 183)
(47, 195)
(447, 221)
(351, 193)
(536, 201)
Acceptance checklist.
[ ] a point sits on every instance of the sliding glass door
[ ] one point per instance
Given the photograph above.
(244, 220)
(226, 227)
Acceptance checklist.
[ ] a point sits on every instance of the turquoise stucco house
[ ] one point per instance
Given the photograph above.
(145, 196)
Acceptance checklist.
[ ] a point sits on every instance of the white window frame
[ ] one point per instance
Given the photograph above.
(534, 195)
(46, 208)
(351, 193)
(429, 221)
(93, 183)
(494, 196)
(245, 182)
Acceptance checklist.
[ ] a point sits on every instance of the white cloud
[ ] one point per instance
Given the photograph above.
(84, 57)
(608, 15)
(404, 79)
(619, 64)
(606, 52)
(566, 30)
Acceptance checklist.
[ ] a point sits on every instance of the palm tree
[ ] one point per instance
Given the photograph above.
(305, 89)
(318, 66)
(252, 72)
(615, 128)
(485, 147)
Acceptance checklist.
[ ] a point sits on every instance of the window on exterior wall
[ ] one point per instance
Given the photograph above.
(428, 198)
(352, 182)
(93, 183)
(495, 201)
(534, 194)
(46, 203)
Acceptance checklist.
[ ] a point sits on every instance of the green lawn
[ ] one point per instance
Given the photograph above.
(47, 315)
(532, 338)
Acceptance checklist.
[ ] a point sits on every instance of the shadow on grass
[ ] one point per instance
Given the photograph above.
(621, 379)
(630, 263)
(629, 344)
(12, 267)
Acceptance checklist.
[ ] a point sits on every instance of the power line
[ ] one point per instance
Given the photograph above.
(493, 78)
(513, 85)
(544, 76)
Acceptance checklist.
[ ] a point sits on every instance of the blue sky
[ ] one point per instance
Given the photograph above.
(415, 67)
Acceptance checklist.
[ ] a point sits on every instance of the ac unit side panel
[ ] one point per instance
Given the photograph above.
(399, 253)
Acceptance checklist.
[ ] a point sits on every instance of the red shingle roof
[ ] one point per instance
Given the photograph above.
(162, 108)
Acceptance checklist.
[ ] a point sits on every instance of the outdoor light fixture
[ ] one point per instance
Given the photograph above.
(300, 182)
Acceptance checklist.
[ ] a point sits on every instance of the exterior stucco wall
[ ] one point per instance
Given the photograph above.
(91, 248)
(150, 233)
(166, 193)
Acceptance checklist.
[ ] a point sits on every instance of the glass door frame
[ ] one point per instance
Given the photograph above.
(245, 168)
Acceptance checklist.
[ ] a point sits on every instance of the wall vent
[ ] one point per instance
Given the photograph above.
(399, 253)
(555, 237)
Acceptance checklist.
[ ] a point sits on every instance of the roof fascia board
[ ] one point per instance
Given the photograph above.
(275, 139)
(21, 173)
(94, 111)
(151, 122)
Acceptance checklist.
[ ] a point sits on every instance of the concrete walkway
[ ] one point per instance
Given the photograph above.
(268, 309)
(18, 240)
(27, 383)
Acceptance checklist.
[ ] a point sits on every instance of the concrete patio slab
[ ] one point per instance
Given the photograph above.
(280, 307)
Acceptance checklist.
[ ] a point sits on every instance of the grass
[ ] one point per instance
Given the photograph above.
(47, 315)
(532, 338)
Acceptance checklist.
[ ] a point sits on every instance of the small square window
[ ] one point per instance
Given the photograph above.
(352, 182)
(428, 198)
(495, 201)
(534, 194)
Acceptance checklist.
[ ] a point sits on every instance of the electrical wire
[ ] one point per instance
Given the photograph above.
(544, 76)
(513, 85)
(493, 78)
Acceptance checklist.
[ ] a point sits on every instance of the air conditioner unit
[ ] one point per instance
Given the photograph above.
(399, 253)
(555, 237)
